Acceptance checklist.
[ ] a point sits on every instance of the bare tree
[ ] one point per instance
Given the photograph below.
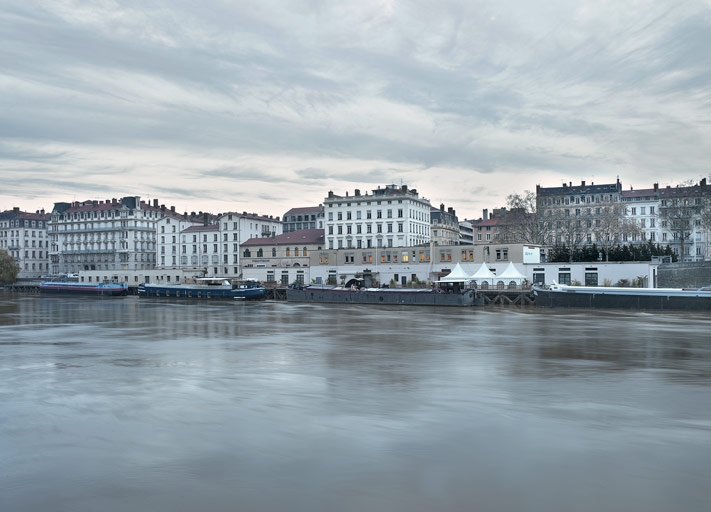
(571, 232)
(705, 214)
(612, 228)
(677, 216)
(524, 218)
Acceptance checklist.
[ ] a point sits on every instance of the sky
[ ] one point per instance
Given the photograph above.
(264, 106)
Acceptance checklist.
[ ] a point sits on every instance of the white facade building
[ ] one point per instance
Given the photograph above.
(24, 236)
(111, 235)
(389, 217)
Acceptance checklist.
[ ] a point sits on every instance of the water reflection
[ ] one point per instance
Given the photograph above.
(125, 404)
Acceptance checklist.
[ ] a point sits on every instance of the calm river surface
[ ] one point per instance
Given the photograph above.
(139, 405)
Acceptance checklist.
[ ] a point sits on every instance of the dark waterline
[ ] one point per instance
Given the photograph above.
(121, 404)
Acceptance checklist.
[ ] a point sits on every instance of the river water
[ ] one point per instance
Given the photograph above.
(136, 405)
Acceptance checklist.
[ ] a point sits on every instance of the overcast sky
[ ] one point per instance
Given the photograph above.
(267, 105)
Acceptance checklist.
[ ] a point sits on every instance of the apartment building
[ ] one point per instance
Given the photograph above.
(571, 213)
(24, 236)
(642, 207)
(444, 226)
(111, 235)
(212, 248)
(388, 217)
(685, 220)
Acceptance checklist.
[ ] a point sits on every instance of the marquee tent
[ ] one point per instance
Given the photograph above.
(457, 275)
(511, 273)
(483, 275)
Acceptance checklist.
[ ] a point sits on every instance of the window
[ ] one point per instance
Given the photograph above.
(563, 277)
(591, 277)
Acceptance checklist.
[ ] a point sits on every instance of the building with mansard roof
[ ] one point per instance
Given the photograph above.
(24, 236)
(308, 217)
(112, 235)
(444, 226)
(569, 213)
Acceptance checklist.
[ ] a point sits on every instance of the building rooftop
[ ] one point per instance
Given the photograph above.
(302, 236)
(583, 188)
(304, 210)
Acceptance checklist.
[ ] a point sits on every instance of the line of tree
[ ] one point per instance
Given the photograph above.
(594, 253)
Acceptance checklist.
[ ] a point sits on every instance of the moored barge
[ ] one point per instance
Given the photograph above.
(204, 289)
(75, 288)
(385, 296)
(604, 297)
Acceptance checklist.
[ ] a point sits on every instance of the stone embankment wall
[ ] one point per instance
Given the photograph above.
(684, 275)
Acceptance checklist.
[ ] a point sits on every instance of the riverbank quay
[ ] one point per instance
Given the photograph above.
(505, 297)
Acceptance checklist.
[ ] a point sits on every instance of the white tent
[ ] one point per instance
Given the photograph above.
(457, 275)
(483, 275)
(511, 273)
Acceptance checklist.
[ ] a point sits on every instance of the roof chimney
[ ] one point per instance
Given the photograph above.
(485, 215)
(155, 203)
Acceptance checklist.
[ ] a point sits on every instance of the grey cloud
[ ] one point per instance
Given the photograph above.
(480, 88)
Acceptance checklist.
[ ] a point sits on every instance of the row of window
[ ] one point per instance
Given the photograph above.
(260, 252)
(23, 223)
(603, 198)
(368, 214)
